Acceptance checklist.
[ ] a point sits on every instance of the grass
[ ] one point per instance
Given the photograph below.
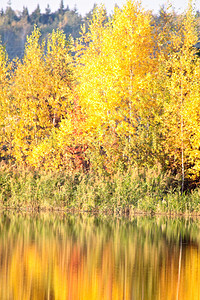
(148, 191)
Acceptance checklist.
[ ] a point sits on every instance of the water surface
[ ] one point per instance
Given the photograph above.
(51, 256)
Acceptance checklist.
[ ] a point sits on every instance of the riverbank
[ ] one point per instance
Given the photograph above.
(134, 192)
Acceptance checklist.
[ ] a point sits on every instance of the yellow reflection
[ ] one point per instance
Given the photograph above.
(84, 261)
(187, 287)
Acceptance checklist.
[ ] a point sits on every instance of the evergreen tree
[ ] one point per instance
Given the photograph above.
(25, 13)
(10, 15)
(36, 15)
(61, 8)
(47, 10)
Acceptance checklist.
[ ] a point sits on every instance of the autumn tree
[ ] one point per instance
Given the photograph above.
(5, 104)
(42, 91)
(179, 81)
(116, 62)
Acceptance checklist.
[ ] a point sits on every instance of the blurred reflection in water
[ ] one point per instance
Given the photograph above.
(70, 257)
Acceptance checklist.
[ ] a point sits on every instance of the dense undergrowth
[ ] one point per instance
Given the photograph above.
(130, 192)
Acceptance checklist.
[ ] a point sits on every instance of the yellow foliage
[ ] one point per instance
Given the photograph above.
(114, 70)
(42, 92)
(129, 95)
(5, 107)
(179, 81)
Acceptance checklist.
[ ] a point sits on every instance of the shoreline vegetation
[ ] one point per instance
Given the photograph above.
(128, 194)
(108, 122)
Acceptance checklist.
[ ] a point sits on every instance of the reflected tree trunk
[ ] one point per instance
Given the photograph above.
(179, 269)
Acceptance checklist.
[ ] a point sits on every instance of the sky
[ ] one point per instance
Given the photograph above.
(84, 6)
